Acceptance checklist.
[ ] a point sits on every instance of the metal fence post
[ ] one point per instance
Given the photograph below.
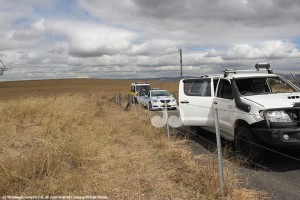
(129, 103)
(140, 109)
(168, 128)
(221, 175)
(120, 99)
(133, 106)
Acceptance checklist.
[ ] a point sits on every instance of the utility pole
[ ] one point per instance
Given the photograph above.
(180, 53)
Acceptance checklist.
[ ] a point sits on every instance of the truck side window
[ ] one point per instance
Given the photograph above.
(225, 90)
(198, 88)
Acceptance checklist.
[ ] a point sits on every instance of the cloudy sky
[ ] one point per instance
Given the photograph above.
(142, 38)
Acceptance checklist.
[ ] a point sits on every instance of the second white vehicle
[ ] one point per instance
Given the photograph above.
(157, 99)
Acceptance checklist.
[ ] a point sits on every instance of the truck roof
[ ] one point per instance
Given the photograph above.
(235, 75)
(246, 75)
(261, 70)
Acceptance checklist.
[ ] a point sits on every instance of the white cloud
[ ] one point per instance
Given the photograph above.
(205, 21)
(265, 50)
(72, 61)
(39, 25)
(91, 39)
(141, 38)
(153, 47)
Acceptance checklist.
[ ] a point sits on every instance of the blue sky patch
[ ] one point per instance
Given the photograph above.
(297, 42)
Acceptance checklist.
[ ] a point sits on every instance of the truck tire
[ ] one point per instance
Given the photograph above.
(247, 146)
(150, 106)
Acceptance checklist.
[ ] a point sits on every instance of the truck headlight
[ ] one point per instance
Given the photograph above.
(173, 100)
(278, 116)
(155, 100)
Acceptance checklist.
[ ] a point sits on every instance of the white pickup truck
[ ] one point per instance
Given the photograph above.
(256, 108)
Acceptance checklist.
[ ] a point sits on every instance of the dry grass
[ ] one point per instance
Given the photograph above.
(44, 88)
(76, 144)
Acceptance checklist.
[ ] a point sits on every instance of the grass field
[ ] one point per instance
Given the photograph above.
(67, 137)
(42, 88)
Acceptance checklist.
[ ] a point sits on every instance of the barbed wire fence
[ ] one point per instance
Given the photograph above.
(233, 158)
(256, 168)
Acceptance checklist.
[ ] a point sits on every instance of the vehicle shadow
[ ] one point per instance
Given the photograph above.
(278, 160)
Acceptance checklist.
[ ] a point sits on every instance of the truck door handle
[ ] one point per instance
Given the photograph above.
(185, 101)
(215, 102)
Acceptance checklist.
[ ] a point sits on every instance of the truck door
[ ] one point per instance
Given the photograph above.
(224, 101)
(196, 101)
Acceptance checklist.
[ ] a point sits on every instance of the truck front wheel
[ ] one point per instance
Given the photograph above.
(150, 106)
(248, 146)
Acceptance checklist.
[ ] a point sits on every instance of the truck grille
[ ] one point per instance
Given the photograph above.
(164, 101)
(294, 115)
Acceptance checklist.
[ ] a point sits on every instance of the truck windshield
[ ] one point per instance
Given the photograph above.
(160, 93)
(142, 87)
(264, 85)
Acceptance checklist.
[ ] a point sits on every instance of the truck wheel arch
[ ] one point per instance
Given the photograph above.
(239, 123)
(246, 143)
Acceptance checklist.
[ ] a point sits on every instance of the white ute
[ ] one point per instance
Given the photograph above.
(157, 99)
(255, 109)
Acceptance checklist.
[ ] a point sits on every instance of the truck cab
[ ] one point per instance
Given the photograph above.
(138, 87)
(255, 108)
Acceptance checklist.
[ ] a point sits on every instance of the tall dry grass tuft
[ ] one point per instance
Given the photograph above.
(83, 145)
(42, 138)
